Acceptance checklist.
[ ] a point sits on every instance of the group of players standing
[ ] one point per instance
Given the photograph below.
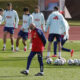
(58, 28)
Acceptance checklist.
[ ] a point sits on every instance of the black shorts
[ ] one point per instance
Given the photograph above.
(52, 36)
(24, 35)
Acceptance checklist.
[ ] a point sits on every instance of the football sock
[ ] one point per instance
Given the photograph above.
(59, 54)
(17, 48)
(4, 45)
(12, 46)
(25, 46)
(27, 71)
(48, 54)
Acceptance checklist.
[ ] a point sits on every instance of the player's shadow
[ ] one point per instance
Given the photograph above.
(13, 76)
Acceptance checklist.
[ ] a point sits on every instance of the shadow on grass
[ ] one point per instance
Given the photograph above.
(13, 76)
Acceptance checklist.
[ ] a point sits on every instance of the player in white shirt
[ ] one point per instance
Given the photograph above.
(27, 20)
(38, 19)
(56, 24)
(11, 19)
(1, 14)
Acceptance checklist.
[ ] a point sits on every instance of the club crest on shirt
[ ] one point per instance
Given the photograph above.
(56, 18)
(8, 17)
(37, 19)
(25, 21)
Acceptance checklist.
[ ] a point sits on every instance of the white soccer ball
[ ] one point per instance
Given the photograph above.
(61, 62)
(64, 60)
(79, 62)
(49, 60)
(56, 61)
(70, 62)
(76, 61)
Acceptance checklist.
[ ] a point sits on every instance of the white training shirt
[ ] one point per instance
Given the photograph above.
(27, 20)
(56, 23)
(39, 20)
(11, 19)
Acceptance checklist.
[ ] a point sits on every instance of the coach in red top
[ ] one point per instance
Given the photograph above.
(38, 43)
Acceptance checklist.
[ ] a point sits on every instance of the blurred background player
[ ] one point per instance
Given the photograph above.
(38, 19)
(38, 43)
(64, 38)
(11, 19)
(55, 22)
(1, 14)
(27, 20)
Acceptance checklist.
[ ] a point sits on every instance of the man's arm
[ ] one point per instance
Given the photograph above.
(63, 23)
(48, 23)
(42, 36)
(43, 21)
(3, 18)
(17, 20)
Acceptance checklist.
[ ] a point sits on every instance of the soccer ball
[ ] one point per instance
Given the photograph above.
(49, 60)
(64, 60)
(70, 62)
(56, 61)
(61, 62)
(76, 61)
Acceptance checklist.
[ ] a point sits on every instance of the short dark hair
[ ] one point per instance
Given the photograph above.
(1, 9)
(9, 4)
(56, 8)
(37, 7)
(26, 9)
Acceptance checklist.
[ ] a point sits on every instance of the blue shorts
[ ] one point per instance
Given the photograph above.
(9, 29)
(52, 36)
(24, 35)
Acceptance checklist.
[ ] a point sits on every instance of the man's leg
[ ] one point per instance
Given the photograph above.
(55, 47)
(24, 37)
(65, 49)
(49, 49)
(4, 40)
(59, 49)
(24, 43)
(30, 57)
(50, 40)
(40, 59)
(12, 42)
(62, 43)
(58, 38)
(17, 43)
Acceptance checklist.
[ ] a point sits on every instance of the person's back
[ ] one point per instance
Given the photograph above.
(55, 22)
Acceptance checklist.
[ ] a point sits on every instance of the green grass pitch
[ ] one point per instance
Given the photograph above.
(12, 63)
